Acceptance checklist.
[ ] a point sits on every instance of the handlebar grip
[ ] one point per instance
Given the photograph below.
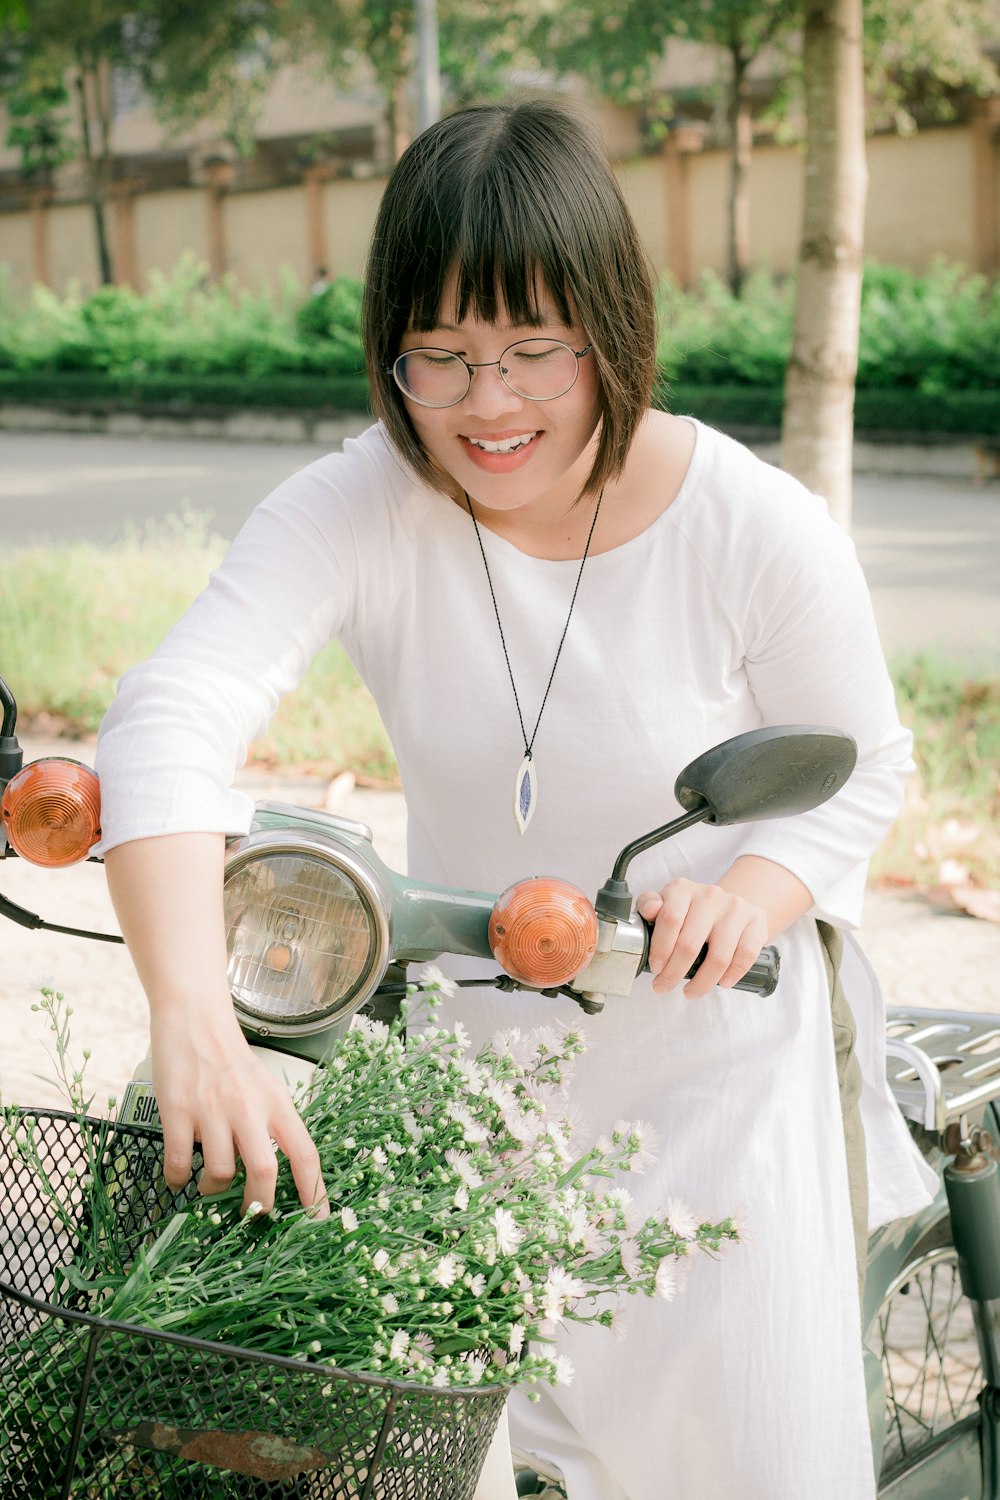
(760, 979)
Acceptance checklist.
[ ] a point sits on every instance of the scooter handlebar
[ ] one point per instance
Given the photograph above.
(760, 979)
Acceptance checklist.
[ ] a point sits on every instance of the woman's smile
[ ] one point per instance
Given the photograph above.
(501, 452)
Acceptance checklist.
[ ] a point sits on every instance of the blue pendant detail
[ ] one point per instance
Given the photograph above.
(525, 793)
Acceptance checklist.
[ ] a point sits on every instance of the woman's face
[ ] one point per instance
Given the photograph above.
(471, 442)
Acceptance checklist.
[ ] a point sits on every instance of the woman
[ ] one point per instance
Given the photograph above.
(558, 597)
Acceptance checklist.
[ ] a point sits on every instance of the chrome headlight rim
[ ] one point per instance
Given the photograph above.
(270, 842)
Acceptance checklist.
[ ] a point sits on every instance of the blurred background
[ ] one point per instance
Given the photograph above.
(186, 196)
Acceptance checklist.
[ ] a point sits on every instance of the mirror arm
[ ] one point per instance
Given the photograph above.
(614, 900)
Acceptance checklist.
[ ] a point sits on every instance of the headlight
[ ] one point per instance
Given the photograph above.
(307, 929)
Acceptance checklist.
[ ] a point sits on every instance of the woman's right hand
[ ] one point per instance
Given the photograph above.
(209, 1087)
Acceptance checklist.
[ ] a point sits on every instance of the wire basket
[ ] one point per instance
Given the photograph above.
(94, 1409)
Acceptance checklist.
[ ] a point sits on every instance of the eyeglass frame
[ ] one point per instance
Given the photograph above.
(577, 354)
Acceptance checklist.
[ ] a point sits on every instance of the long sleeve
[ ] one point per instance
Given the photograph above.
(182, 722)
(802, 611)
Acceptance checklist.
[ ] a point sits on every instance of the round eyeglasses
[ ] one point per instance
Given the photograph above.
(537, 369)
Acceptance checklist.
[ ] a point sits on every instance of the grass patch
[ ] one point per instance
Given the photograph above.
(948, 834)
(74, 617)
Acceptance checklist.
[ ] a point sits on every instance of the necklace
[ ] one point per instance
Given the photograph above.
(526, 781)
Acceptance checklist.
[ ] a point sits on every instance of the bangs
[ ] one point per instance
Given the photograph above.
(491, 287)
(495, 248)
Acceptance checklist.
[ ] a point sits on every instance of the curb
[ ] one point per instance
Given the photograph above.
(944, 458)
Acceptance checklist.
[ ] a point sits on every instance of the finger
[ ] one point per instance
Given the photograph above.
(303, 1159)
(675, 903)
(746, 955)
(218, 1154)
(648, 905)
(178, 1148)
(259, 1156)
(732, 948)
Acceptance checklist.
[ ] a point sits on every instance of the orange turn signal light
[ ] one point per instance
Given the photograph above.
(543, 931)
(51, 812)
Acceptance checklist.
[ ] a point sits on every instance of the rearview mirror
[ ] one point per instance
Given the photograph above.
(767, 773)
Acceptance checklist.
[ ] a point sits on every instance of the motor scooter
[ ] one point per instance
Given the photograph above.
(319, 929)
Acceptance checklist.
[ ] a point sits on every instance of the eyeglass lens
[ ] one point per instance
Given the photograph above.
(538, 369)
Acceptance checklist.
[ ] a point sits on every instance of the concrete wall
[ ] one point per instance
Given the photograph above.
(930, 195)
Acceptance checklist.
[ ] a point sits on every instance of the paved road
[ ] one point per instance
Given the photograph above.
(930, 546)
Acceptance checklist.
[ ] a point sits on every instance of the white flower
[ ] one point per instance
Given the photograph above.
(440, 1377)
(445, 1271)
(458, 1031)
(380, 1259)
(473, 1132)
(546, 1041)
(432, 976)
(374, 1031)
(461, 1198)
(560, 1287)
(476, 1366)
(681, 1220)
(477, 1285)
(501, 1093)
(473, 1075)
(506, 1230)
(559, 1141)
(523, 1127)
(349, 1219)
(628, 1250)
(564, 1371)
(389, 1304)
(462, 1164)
(516, 1341)
(400, 1344)
(641, 1142)
(504, 1042)
(666, 1281)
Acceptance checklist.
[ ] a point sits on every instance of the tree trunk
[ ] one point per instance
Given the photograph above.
(818, 427)
(740, 149)
(87, 85)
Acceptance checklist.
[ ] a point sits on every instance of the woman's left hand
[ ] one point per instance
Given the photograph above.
(686, 916)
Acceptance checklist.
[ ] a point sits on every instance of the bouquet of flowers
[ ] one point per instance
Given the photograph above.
(465, 1224)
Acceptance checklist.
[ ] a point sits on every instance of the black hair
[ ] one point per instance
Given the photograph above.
(514, 200)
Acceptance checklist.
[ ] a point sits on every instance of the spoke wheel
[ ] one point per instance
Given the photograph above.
(926, 1340)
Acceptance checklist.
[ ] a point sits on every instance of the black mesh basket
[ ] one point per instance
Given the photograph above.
(92, 1409)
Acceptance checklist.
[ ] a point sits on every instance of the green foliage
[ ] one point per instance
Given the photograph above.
(934, 333)
(927, 354)
(184, 325)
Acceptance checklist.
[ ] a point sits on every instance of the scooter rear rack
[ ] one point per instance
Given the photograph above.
(941, 1064)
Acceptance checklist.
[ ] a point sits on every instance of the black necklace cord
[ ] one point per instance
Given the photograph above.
(529, 744)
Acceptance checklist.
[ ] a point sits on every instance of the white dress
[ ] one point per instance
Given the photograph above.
(742, 604)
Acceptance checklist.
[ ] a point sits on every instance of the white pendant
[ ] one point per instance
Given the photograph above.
(525, 793)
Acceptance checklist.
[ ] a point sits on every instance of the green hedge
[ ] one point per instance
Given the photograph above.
(900, 414)
(183, 393)
(927, 358)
